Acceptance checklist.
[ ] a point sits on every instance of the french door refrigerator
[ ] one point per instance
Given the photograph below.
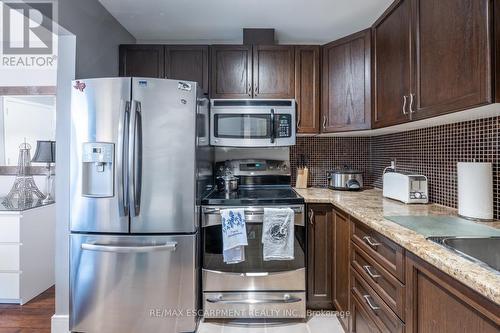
(140, 162)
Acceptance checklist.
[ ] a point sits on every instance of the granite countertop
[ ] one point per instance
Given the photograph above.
(370, 207)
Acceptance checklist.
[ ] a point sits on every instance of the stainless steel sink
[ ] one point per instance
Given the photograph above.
(484, 250)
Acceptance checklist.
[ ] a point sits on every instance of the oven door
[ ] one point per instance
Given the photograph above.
(252, 127)
(256, 272)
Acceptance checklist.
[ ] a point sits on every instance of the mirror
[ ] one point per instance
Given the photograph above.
(25, 117)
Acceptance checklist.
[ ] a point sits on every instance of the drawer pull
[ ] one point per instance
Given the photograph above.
(368, 269)
(368, 300)
(370, 242)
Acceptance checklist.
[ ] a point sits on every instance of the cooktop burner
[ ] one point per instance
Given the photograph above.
(256, 195)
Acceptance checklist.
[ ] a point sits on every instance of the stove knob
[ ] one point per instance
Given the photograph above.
(418, 195)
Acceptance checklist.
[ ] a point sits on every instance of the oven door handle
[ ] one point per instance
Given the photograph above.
(286, 299)
(249, 211)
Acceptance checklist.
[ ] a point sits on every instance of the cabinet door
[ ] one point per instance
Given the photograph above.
(319, 257)
(142, 60)
(346, 84)
(187, 62)
(452, 55)
(307, 89)
(231, 71)
(273, 71)
(341, 293)
(437, 303)
(392, 59)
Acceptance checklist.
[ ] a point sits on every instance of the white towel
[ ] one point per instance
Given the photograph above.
(278, 234)
(234, 235)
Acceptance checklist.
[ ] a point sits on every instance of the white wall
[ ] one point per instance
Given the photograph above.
(25, 118)
(98, 35)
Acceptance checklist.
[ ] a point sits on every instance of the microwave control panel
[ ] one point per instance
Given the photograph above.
(283, 125)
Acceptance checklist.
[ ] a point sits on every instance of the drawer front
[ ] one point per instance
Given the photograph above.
(385, 319)
(9, 285)
(9, 257)
(362, 321)
(390, 289)
(387, 253)
(9, 229)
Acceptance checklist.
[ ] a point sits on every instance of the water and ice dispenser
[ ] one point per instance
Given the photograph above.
(98, 169)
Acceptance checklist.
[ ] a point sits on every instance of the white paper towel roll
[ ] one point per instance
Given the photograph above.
(475, 190)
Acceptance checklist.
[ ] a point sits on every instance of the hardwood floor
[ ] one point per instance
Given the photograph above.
(33, 317)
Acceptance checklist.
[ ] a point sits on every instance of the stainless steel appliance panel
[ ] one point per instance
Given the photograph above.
(163, 156)
(255, 305)
(252, 123)
(99, 113)
(224, 281)
(123, 283)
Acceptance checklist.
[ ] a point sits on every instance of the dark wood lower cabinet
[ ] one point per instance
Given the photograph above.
(438, 303)
(319, 258)
(341, 264)
(344, 276)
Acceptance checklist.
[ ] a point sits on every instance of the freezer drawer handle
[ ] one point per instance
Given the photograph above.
(286, 299)
(170, 246)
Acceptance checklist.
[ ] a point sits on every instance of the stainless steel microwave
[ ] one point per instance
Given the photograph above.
(252, 123)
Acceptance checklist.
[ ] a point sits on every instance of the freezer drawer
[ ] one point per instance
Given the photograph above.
(133, 283)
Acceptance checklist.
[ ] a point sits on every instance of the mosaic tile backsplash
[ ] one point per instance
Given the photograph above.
(433, 152)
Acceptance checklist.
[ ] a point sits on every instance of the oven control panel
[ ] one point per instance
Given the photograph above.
(245, 167)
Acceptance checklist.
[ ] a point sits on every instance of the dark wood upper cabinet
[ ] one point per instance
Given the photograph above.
(141, 60)
(319, 258)
(187, 62)
(307, 88)
(452, 67)
(346, 84)
(433, 57)
(231, 71)
(273, 71)
(392, 65)
(341, 264)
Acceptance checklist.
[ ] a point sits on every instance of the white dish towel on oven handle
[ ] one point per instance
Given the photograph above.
(234, 235)
(278, 234)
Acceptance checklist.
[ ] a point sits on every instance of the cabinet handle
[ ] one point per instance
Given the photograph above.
(311, 216)
(255, 90)
(368, 269)
(249, 89)
(370, 242)
(324, 122)
(404, 105)
(412, 97)
(298, 118)
(372, 306)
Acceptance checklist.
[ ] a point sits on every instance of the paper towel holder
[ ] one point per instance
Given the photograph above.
(475, 183)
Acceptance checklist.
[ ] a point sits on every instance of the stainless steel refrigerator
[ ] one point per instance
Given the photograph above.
(140, 162)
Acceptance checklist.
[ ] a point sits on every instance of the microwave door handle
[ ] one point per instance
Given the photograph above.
(272, 126)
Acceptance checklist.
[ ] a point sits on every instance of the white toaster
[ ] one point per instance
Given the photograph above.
(407, 188)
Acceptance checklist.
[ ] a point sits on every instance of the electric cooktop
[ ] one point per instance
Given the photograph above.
(255, 195)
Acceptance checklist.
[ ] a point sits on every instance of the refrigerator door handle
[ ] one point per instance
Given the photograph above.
(123, 142)
(135, 158)
(91, 246)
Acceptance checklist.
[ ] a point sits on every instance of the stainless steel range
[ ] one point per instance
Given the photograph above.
(253, 288)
